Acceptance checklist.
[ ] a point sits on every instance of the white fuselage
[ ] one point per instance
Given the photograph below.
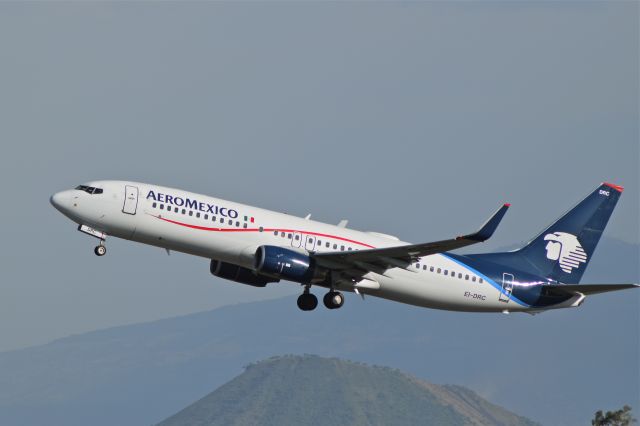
(231, 232)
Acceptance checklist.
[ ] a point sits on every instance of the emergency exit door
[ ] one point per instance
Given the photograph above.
(310, 242)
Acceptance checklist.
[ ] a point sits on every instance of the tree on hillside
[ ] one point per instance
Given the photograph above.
(621, 417)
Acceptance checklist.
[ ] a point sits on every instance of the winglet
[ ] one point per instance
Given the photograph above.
(489, 227)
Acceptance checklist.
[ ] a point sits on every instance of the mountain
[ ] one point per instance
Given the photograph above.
(310, 390)
(557, 368)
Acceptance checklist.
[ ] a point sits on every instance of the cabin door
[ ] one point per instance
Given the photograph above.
(507, 287)
(130, 199)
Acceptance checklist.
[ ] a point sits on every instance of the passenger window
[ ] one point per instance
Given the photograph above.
(446, 272)
(439, 270)
(161, 206)
(342, 248)
(213, 218)
(418, 265)
(349, 248)
(261, 229)
(190, 212)
(154, 205)
(424, 268)
(297, 237)
(466, 277)
(289, 236)
(238, 224)
(459, 275)
(473, 279)
(319, 242)
(175, 209)
(206, 216)
(184, 211)
(328, 244)
(480, 279)
(431, 269)
(335, 246)
(282, 234)
(230, 222)
(275, 233)
(245, 225)
(198, 214)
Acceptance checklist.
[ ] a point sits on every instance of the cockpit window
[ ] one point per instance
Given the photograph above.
(89, 189)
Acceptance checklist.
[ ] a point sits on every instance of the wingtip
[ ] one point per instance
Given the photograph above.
(507, 204)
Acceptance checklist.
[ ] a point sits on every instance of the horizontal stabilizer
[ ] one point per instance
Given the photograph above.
(587, 289)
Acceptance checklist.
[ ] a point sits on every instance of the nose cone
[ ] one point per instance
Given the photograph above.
(60, 200)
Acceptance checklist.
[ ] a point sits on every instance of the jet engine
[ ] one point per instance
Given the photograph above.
(236, 273)
(282, 263)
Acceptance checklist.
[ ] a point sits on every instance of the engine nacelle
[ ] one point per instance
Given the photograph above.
(236, 273)
(288, 265)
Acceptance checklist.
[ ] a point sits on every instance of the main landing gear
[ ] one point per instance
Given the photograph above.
(307, 301)
(333, 300)
(100, 249)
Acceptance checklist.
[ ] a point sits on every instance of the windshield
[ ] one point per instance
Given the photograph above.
(89, 189)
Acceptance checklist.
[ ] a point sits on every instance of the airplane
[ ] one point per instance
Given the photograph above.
(254, 246)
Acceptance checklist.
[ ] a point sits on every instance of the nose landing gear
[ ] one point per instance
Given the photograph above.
(100, 250)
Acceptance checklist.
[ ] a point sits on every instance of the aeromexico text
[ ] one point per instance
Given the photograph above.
(192, 204)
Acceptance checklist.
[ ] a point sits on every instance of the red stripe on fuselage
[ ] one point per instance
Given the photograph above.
(206, 228)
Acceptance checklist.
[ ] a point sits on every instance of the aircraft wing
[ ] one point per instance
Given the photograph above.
(587, 289)
(381, 259)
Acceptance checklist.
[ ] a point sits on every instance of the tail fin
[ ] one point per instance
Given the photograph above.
(563, 250)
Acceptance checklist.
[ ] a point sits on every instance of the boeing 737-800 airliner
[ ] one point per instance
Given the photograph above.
(254, 246)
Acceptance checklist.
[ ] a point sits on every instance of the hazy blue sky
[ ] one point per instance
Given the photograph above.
(415, 119)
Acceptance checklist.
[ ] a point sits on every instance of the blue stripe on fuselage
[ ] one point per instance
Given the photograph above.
(487, 279)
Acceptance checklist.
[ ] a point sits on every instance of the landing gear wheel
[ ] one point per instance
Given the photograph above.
(333, 300)
(307, 302)
(100, 250)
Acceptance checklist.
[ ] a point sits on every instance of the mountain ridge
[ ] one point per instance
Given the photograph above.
(312, 390)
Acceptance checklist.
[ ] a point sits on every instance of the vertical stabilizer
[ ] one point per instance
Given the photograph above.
(562, 251)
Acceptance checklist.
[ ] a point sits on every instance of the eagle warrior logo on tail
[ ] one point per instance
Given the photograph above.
(566, 249)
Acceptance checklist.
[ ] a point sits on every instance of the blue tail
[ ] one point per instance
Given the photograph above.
(562, 251)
